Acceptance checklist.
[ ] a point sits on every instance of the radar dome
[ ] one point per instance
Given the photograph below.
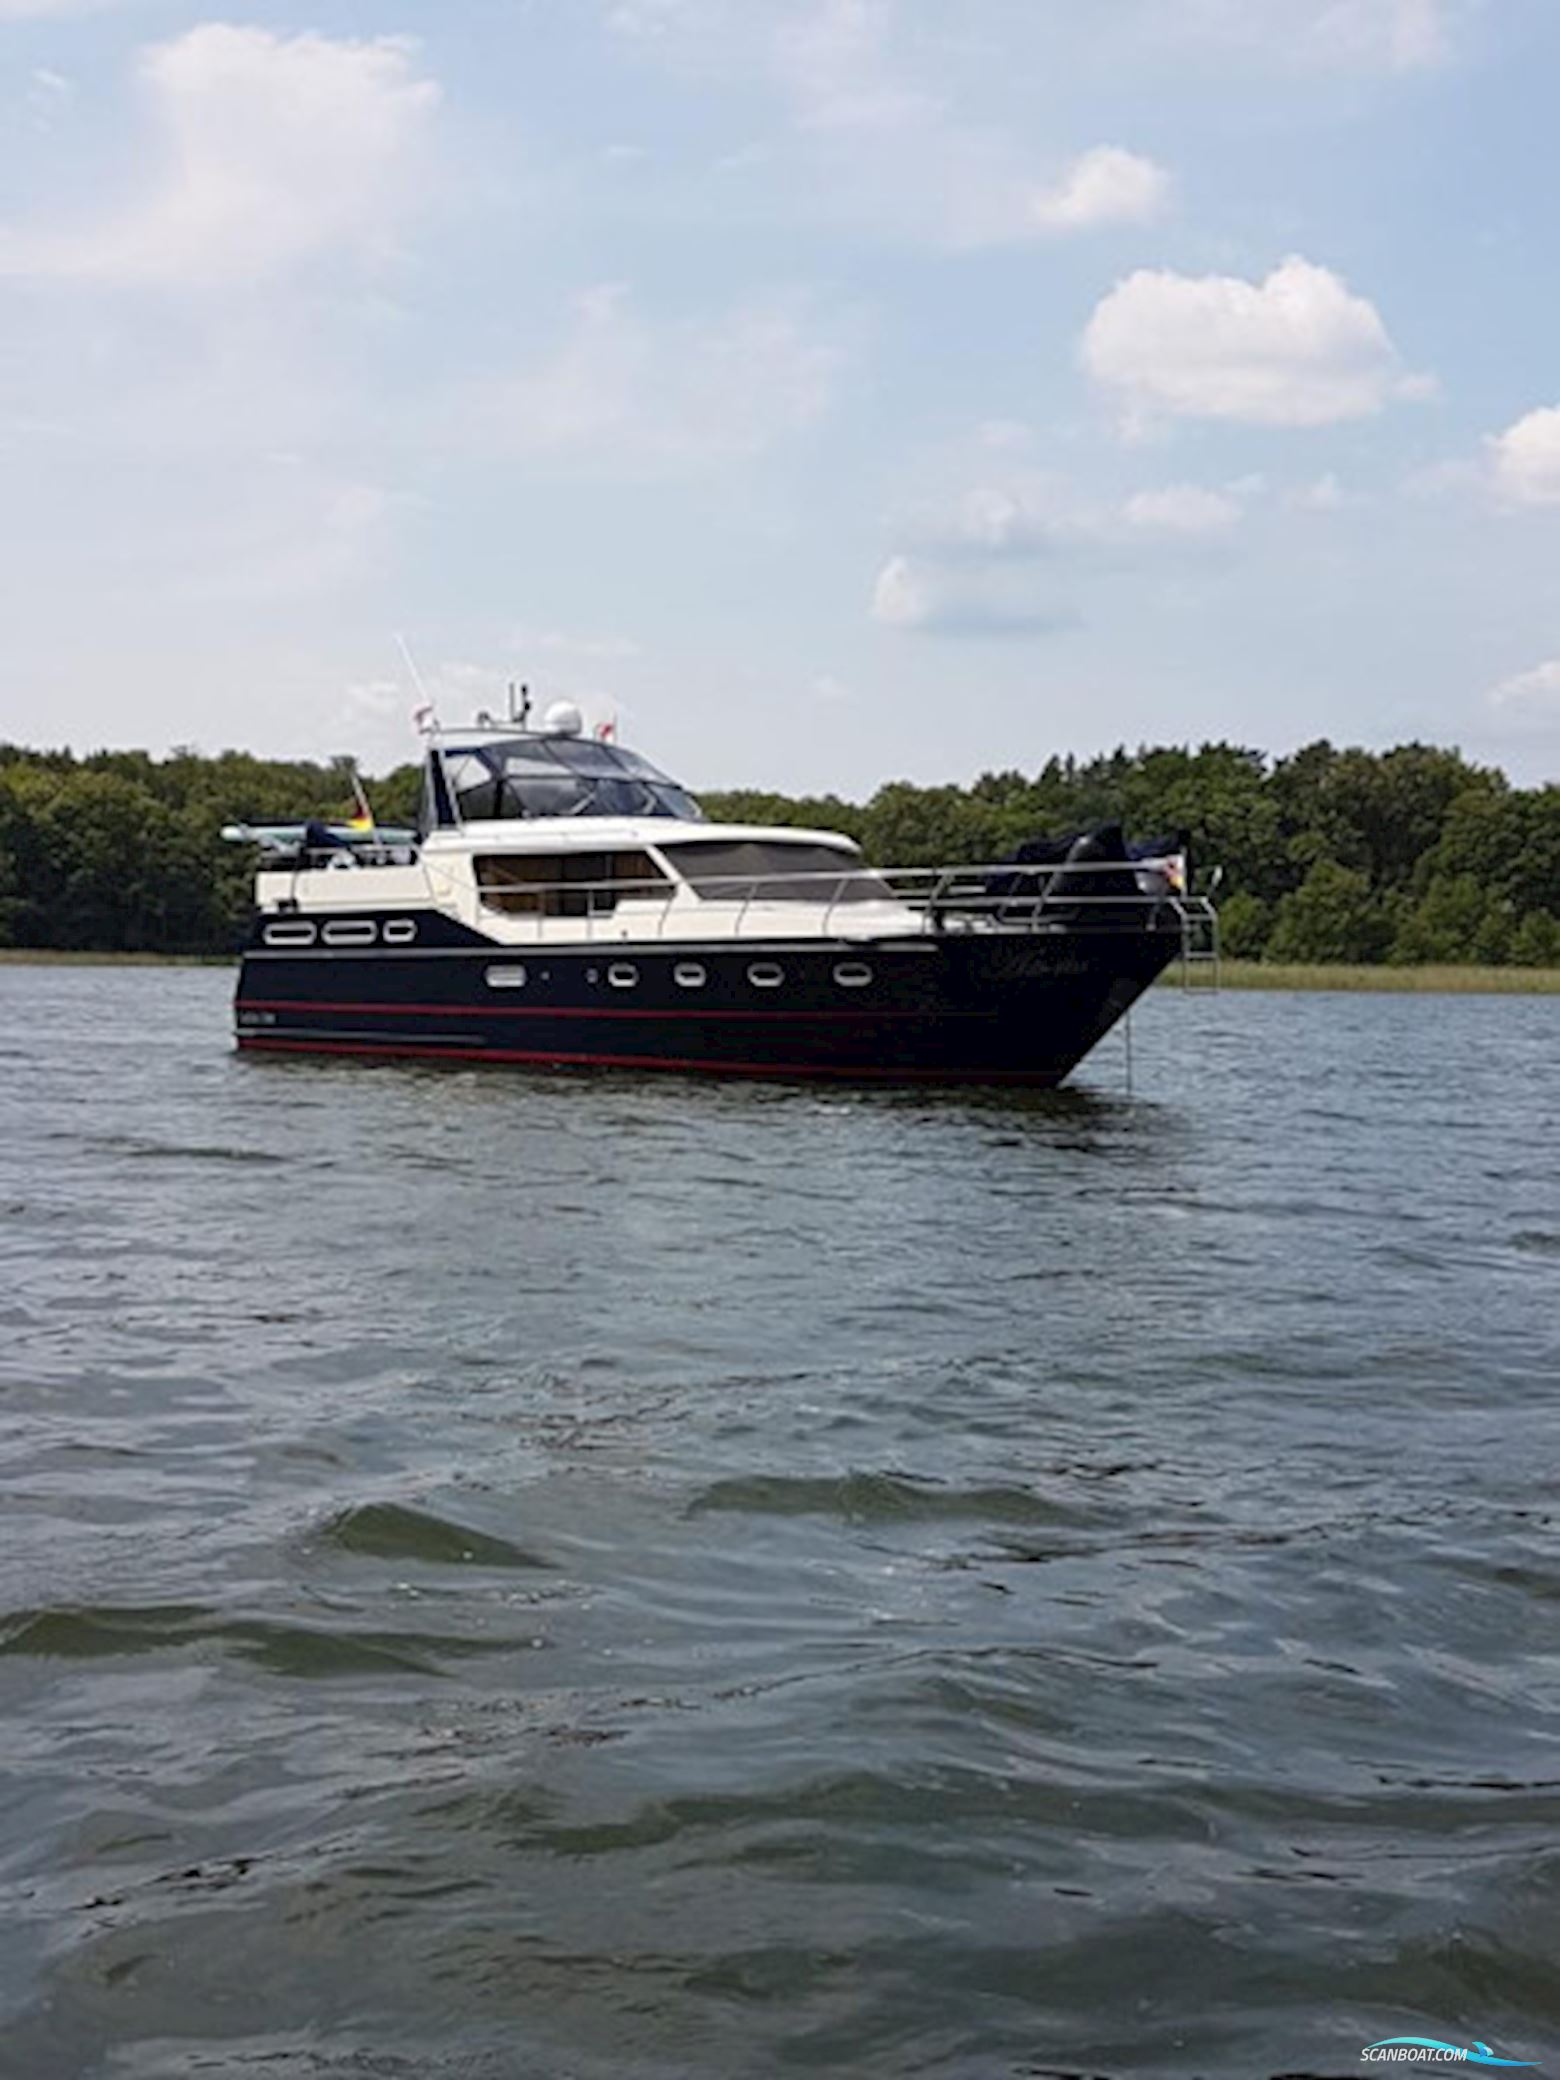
(563, 719)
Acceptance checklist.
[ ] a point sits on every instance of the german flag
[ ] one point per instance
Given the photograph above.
(362, 817)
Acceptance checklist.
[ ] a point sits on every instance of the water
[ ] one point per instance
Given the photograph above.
(514, 1575)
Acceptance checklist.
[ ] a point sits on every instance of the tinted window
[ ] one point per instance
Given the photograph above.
(569, 884)
(772, 871)
(561, 776)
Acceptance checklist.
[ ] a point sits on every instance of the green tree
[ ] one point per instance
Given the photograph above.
(1332, 916)
(1328, 854)
(1535, 943)
(1245, 923)
(1455, 920)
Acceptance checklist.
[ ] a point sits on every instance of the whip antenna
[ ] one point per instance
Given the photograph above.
(405, 649)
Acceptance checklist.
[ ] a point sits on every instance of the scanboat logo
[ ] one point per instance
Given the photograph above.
(1430, 2051)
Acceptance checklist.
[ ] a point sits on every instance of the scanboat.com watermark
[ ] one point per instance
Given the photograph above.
(1432, 2051)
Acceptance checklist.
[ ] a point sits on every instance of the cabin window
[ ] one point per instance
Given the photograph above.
(568, 884)
(764, 870)
(400, 931)
(351, 931)
(623, 975)
(289, 934)
(853, 975)
(689, 975)
(510, 977)
(475, 784)
(766, 975)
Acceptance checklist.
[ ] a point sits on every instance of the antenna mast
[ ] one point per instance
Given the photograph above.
(427, 713)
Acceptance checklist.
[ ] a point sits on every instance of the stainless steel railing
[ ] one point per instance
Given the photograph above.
(1103, 895)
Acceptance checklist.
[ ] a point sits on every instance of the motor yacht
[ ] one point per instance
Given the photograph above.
(562, 902)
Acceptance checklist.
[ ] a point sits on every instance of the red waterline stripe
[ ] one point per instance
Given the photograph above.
(551, 1056)
(486, 1010)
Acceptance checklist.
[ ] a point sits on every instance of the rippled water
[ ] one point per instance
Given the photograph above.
(514, 1575)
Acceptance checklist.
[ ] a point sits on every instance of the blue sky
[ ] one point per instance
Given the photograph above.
(837, 390)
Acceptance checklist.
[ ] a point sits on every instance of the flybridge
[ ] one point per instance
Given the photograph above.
(479, 780)
(493, 771)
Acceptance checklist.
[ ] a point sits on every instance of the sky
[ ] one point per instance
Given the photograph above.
(834, 391)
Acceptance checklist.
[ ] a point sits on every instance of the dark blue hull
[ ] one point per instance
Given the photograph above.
(979, 1008)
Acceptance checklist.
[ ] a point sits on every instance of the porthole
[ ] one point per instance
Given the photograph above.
(289, 934)
(623, 975)
(506, 978)
(689, 975)
(853, 974)
(351, 931)
(400, 931)
(766, 975)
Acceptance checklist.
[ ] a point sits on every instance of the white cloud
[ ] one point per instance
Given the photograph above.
(1360, 35)
(1298, 349)
(296, 533)
(1033, 515)
(272, 533)
(1186, 510)
(631, 394)
(274, 151)
(1002, 557)
(922, 599)
(832, 59)
(49, 95)
(1525, 459)
(1529, 696)
(874, 136)
(829, 38)
(1105, 186)
(38, 10)
(900, 597)
(903, 154)
(1325, 494)
(559, 642)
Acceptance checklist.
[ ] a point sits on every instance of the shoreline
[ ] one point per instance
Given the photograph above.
(1430, 980)
(1440, 980)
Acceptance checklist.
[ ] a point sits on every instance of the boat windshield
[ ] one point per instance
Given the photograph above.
(560, 776)
(733, 870)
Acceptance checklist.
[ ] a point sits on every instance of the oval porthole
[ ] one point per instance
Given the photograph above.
(689, 975)
(853, 974)
(623, 975)
(766, 975)
(506, 978)
(351, 931)
(400, 931)
(289, 935)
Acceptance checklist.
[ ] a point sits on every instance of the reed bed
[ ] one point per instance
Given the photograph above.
(1427, 981)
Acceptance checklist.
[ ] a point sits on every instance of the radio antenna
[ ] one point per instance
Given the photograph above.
(411, 665)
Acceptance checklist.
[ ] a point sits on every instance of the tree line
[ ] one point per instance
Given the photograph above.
(1409, 855)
